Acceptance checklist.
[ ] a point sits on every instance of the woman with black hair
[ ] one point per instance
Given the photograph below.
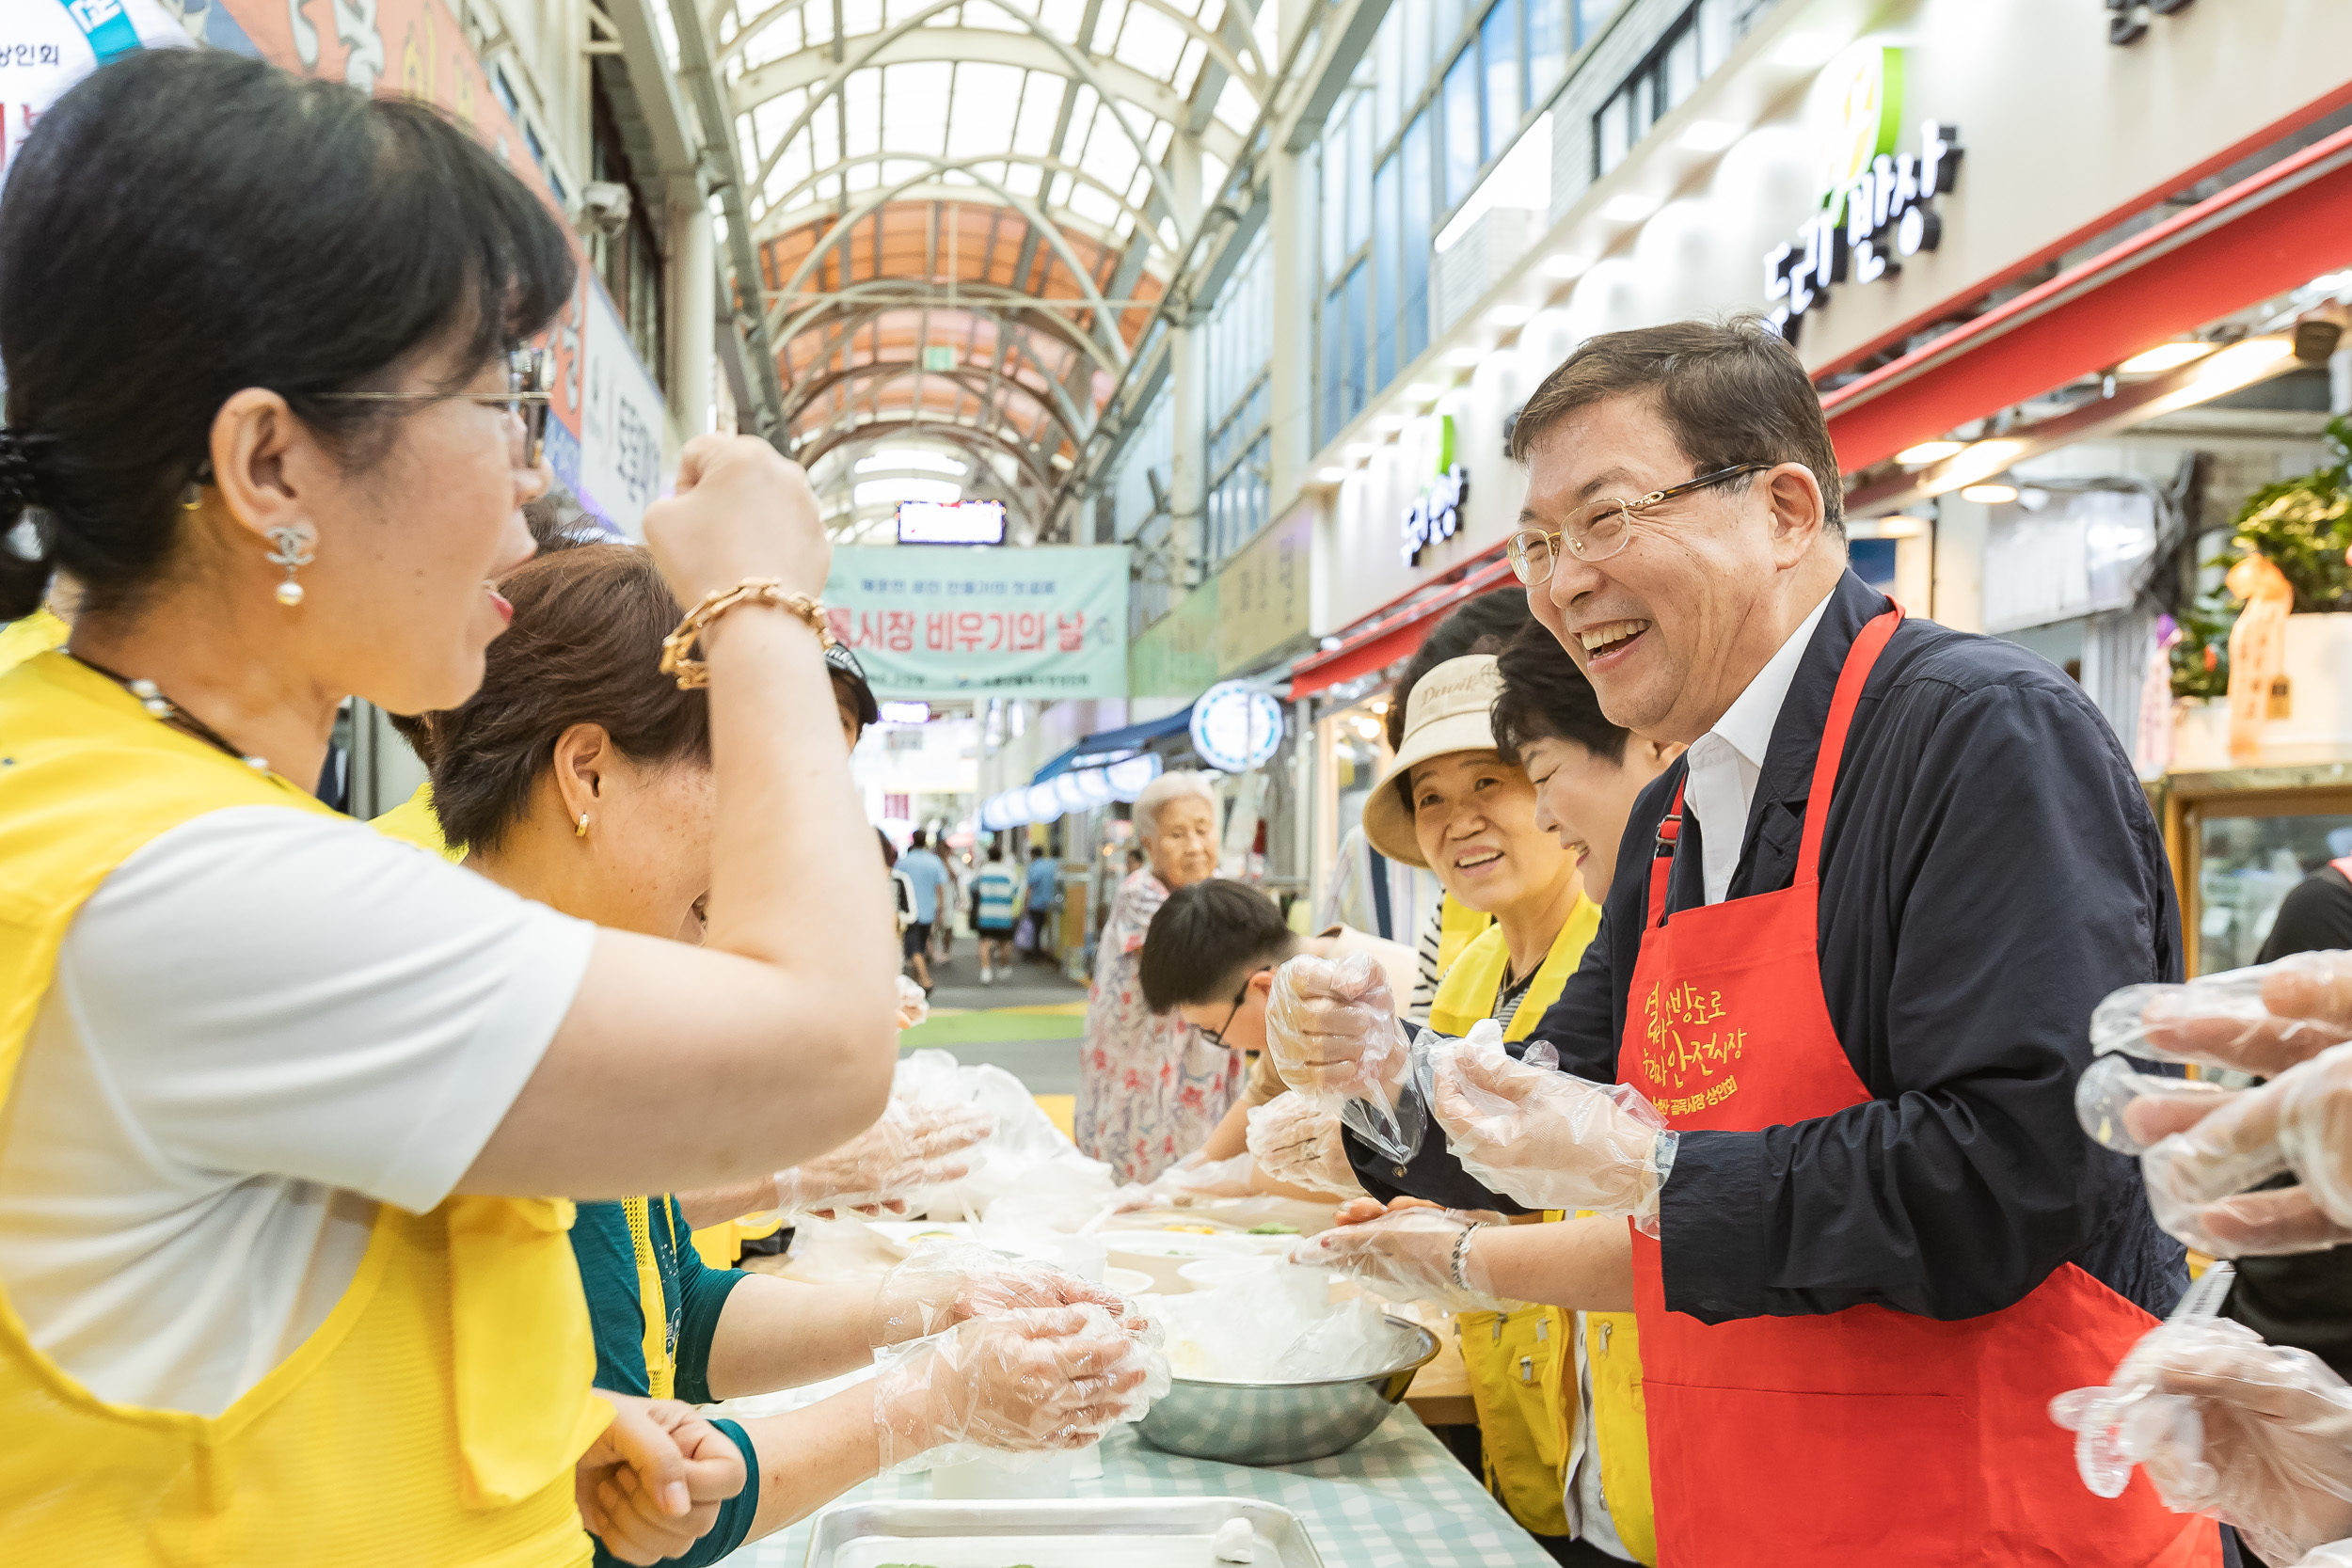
(285, 1098)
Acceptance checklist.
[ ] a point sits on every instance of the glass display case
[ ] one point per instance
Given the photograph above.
(2240, 841)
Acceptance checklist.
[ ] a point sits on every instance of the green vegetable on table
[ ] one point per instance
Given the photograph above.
(1274, 1231)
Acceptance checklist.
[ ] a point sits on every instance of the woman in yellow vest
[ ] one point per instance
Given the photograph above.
(581, 776)
(1585, 773)
(1453, 803)
(285, 1101)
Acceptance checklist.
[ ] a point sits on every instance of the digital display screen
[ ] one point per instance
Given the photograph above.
(951, 522)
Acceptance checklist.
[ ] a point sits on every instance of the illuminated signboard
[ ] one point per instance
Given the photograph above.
(951, 522)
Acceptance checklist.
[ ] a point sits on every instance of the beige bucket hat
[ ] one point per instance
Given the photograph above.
(1450, 709)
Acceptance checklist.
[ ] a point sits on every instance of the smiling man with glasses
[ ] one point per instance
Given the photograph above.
(1851, 948)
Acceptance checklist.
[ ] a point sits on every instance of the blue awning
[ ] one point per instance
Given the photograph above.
(1108, 746)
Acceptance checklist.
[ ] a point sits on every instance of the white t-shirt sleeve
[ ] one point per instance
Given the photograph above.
(275, 992)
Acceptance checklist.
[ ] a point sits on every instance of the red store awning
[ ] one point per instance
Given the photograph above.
(1394, 630)
(2268, 234)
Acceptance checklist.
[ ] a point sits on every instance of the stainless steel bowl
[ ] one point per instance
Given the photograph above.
(1282, 1423)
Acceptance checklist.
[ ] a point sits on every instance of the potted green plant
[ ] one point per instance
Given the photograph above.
(2304, 527)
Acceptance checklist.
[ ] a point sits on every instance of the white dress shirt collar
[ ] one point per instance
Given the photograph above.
(1726, 763)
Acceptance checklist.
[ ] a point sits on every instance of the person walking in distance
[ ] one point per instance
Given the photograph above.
(994, 890)
(922, 868)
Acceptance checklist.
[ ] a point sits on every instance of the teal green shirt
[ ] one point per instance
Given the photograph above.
(693, 1296)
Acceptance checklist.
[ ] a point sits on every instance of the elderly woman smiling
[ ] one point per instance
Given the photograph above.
(1150, 1088)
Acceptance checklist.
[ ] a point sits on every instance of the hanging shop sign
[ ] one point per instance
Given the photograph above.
(618, 470)
(1047, 623)
(1263, 594)
(1236, 726)
(1436, 514)
(1877, 206)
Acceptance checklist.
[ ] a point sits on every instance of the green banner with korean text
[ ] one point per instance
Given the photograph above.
(993, 621)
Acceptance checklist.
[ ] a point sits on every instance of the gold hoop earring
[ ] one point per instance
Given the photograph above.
(581, 831)
(292, 556)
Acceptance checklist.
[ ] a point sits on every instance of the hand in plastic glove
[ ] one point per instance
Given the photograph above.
(914, 1006)
(1331, 1026)
(1191, 1179)
(651, 1483)
(2335, 1555)
(2199, 1176)
(2253, 1435)
(1018, 1382)
(1293, 1142)
(2260, 1020)
(913, 1146)
(946, 1283)
(1406, 1254)
(1549, 1140)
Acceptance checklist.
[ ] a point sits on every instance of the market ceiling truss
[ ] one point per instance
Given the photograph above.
(1036, 348)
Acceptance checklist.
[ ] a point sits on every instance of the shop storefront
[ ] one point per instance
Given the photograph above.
(1886, 187)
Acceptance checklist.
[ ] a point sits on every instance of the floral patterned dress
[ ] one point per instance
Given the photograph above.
(1151, 1090)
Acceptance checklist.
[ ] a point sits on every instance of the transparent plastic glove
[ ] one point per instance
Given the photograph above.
(2200, 1178)
(1331, 1026)
(2335, 1555)
(1191, 1179)
(651, 1483)
(1022, 1381)
(1406, 1254)
(945, 1283)
(2260, 1020)
(2256, 1436)
(2116, 1104)
(915, 1144)
(2099, 1418)
(1293, 1142)
(1546, 1139)
(914, 1006)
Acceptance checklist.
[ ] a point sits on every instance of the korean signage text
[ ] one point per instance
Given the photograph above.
(1877, 205)
(1437, 516)
(1047, 622)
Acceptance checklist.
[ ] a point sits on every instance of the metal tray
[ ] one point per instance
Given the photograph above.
(1107, 1532)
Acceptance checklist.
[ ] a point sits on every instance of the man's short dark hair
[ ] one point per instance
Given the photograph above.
(1037, 851)
(1730, 392)
(918, 839)
(1545, 697)
(1206, 941)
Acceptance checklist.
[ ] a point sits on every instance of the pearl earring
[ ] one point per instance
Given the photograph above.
(581, 831)
(292, 556)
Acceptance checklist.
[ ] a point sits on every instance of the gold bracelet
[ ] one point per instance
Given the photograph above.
(694, 672)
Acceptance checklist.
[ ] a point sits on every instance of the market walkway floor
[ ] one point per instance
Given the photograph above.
(1028, 1022)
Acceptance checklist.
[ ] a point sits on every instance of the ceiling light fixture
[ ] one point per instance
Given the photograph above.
(1465, 358)
(1389, 424)
(1929, 452)
(1331, 476)
(1979, 460)
(1709, 135)
(1998, 494)
(1420, 391)
(1630, 207)
(1567, 264)
(1510, 318)
(2165, 357)
(1355, 452)
(1901, 526)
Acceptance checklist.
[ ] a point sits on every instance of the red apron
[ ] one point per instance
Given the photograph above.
(1866, 1435)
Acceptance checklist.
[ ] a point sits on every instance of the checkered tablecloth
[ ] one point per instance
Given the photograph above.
(1397, 1500)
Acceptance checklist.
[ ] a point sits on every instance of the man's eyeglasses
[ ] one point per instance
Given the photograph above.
(1216, 1036)
(1601, 529)
(526, 399)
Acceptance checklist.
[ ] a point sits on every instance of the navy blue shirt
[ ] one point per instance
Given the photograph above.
(1990, 870)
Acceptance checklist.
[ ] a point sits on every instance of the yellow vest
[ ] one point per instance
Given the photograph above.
(36, 634)
(1459, 926)
(1521, 1365)
(433, 1417)
(412, 821)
